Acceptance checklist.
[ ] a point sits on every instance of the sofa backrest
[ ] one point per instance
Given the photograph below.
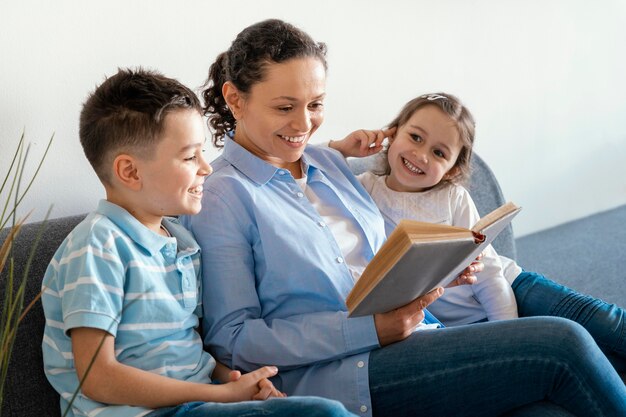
(27, 391)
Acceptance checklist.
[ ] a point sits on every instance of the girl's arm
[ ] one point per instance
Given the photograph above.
(492, 289)
(111, 382)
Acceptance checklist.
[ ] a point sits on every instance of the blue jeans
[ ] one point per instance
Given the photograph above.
(538, 296)
(494, 368)
(277, 407)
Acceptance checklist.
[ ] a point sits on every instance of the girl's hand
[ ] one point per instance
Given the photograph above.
(467, 277)
(362, 142)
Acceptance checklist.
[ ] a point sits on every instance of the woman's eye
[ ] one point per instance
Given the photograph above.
(284, 109)
(316, 106)
(416, 138)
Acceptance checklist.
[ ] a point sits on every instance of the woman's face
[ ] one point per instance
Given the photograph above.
(279, 114)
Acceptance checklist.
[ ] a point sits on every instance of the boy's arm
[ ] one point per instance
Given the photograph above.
(362, 142)
(112, 382)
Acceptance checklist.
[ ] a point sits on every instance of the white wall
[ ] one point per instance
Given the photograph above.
(545, 79)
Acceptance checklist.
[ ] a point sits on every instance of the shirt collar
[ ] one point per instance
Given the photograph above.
(251, 165)
(134, 229)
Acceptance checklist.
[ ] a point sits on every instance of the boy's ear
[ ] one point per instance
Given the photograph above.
(233, 98)
(125, 171)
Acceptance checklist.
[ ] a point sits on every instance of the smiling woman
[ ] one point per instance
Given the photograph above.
(285, 230)
(277, 118)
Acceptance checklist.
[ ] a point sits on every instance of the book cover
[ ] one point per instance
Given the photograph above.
(419, 257)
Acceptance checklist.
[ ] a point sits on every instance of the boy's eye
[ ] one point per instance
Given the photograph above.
(191, 158)
(416, 138)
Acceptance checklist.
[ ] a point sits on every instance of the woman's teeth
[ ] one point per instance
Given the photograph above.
(412, 167)
(293, 139)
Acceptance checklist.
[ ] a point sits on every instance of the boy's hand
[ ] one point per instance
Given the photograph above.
(362, 142)
(254, 385)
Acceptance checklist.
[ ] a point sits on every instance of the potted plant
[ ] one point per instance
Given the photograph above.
(12, 194)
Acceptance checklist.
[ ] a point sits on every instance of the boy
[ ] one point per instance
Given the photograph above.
(123, 287)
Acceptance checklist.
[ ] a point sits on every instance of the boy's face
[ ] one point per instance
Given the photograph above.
(423, 150)
(172, 179)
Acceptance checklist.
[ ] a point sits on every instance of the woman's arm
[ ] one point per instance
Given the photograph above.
(241, 326)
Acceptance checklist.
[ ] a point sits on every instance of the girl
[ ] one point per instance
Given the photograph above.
(427, 159)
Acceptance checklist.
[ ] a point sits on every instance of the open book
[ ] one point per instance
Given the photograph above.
(419, 257)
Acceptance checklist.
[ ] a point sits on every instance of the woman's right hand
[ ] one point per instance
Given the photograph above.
(398, 324)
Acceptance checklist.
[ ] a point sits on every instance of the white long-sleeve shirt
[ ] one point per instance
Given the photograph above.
(491, 297)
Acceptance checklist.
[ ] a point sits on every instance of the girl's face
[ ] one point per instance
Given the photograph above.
(278, 116)
(423, 151)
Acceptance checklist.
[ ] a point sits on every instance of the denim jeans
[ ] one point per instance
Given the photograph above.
(539, 296)
(277, 407)
(490, 369)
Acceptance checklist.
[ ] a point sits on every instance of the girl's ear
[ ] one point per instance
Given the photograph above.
(126, 173)
(234, 99)
(453, 172)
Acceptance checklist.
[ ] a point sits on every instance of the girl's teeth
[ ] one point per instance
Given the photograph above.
(412, 167)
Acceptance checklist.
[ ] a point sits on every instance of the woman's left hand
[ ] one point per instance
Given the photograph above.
(362, 142)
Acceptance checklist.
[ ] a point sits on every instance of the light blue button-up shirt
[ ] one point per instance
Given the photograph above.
(275, 282)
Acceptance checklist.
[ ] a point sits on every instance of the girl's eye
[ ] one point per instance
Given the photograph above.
(416, 138)
(439, 154)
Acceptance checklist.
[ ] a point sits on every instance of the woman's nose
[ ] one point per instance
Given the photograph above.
(302, 122)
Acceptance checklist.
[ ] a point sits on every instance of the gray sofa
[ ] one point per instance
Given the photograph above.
(556, 252)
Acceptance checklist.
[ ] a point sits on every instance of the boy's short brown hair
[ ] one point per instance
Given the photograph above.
(126, 113)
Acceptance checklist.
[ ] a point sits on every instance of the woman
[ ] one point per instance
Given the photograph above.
(285, 230)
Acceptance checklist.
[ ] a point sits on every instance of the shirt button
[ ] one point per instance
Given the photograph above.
(339, 259)
(360, 364)
(281, 172)
(363, 408)
(321, 224)
(300, 195)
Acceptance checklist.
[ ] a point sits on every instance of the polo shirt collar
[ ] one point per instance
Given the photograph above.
(133, 228)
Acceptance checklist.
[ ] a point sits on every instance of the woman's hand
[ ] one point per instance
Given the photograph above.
(362, 142)
(398, 324)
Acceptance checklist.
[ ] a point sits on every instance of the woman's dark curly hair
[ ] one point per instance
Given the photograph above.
(244, 64)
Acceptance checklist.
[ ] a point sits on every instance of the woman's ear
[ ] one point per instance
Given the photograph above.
(233, 98)
(126, 173)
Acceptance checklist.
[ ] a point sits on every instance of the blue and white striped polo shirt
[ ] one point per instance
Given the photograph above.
(114, 274)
